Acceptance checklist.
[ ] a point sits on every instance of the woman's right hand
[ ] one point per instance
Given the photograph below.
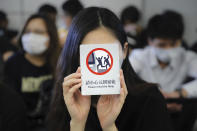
(78, 106)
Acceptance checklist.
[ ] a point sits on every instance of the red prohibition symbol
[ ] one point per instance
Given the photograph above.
(96, 62)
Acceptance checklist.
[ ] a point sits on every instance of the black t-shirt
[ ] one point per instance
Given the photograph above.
(25, 78)
(12, 110)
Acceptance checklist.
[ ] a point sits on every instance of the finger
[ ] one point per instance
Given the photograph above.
(68, 97)
(73, 90)
(78, 92)
(104, 99)
(78, 70)
(122, 82)
(71, 82)
(179, 107)
(123, 96)
(122, 78)
(174, 107)
(73, 75)
(67, 84)
(164, 94)
(169, 106)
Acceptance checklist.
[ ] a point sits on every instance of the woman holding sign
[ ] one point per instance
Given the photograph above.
(138, 107)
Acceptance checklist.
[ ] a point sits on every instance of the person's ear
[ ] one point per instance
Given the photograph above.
(125, 49)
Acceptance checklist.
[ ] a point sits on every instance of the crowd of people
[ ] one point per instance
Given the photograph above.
(40, 74)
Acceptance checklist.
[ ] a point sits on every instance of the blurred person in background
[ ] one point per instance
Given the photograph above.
(7, 38)
(166, 62)
(28, 69)
(48, 10)
(70, 9)
(175, 16)
(130, 17)
(10, 34)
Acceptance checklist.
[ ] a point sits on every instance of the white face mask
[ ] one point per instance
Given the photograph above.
(131, 29)
(34, 44)
(167, 55)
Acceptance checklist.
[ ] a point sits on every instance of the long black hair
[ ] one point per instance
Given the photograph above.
(87, 20)
(52, 52)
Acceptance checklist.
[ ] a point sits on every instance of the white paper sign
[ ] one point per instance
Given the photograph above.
(100, 69)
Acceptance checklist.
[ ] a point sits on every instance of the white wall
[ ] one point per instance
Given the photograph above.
(115, 5)
(186, 7)
(19, 10)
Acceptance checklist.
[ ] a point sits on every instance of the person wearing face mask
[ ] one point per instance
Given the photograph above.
(70, 9)
(7, 38)
(167, 63)
(29, 68)
(130, 17)
(48, 10)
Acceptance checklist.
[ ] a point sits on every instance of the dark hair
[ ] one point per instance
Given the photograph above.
(52, 52)
(168, 25)
(72, 7)
(47, 8)
(87, 20)
(3, 19)
(194, 47)
(130, 13)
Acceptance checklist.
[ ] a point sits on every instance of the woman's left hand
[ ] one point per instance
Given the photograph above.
(109, 106)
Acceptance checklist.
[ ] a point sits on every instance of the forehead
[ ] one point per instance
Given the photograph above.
(100, 35)
(36, 23)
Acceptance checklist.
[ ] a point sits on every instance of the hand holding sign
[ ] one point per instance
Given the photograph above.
(109, 106)
(78, 106)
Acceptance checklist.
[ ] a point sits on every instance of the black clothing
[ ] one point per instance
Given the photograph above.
(144, 109)
(25, 78)
(6, 45)
(12, 110)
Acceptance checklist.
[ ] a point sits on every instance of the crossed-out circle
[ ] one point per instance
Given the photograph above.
(92, 52)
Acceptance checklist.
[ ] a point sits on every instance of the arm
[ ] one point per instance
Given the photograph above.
(190, 88)
(112, 128)
(74, 126)
(78, 106)
(109, 107)
(136, 61)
